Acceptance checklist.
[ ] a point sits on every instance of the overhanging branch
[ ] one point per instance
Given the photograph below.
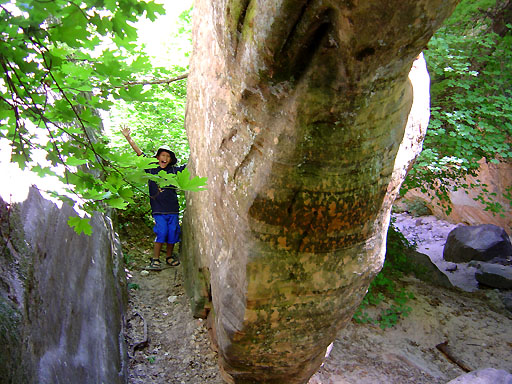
(155, 82)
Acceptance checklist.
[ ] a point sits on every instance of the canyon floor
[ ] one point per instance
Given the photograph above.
(448, 331)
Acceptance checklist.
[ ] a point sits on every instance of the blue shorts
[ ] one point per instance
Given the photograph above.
(167, 229)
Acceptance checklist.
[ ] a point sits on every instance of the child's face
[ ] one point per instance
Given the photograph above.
(163, 159)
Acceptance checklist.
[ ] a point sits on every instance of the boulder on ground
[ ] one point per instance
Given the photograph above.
(494, 275)
(484, 376)
(424, 269)
(480, 242)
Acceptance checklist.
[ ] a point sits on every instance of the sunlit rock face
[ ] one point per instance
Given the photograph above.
(296, 112)
(465, 206)
(62, 297)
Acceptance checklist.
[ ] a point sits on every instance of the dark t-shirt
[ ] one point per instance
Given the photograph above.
(164, 201)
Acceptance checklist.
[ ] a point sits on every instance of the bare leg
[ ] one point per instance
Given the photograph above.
(170, 259)
(156, 251)
(170, 248)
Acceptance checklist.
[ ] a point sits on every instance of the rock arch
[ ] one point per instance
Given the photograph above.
(296, 112)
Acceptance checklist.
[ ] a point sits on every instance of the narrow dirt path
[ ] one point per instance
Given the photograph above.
(178, 350)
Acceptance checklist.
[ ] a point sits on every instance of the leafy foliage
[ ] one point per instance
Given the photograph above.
(159, 121)
(471, 71)
(384, 287)
(62, 62)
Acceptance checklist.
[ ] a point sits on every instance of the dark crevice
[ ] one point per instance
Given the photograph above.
(241, 16)
(292, 203)
(298, 51)
(293, 31)
(245, 161)
(244, 5)
(365, 52)
(228, 138)
(305, 56)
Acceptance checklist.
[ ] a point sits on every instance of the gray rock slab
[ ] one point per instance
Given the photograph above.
(494, 275)
(71, 300)
(424, 269)
(484, 376)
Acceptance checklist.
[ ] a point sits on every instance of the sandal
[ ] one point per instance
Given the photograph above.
(154, 265)
(174, 261)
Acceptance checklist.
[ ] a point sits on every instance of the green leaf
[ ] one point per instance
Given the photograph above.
(93, 194)
(73, 161)
(126, 193)
(42, 171)
(154, 8)
(80, 225)
(20, 159)
(133, 93)
(117, 203)
(186, 183)
(166, 179)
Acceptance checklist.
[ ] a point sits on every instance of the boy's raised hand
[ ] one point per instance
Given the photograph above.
(125, 130)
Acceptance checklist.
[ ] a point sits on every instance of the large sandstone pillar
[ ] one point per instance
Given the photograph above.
(296, 111)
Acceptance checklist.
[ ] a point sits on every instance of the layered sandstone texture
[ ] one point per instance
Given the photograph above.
(296, 113)
(62, 297)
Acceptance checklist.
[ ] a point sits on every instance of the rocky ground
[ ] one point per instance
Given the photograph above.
(178, 350)
(447, 332)
(429, 235)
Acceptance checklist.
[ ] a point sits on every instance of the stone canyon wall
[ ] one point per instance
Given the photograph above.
(296, 114)
(465, 207)
(62, 297)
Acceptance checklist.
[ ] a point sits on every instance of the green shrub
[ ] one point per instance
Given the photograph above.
(383, 293)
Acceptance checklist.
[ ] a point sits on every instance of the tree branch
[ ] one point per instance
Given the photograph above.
(153, 82)
(444, 349)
